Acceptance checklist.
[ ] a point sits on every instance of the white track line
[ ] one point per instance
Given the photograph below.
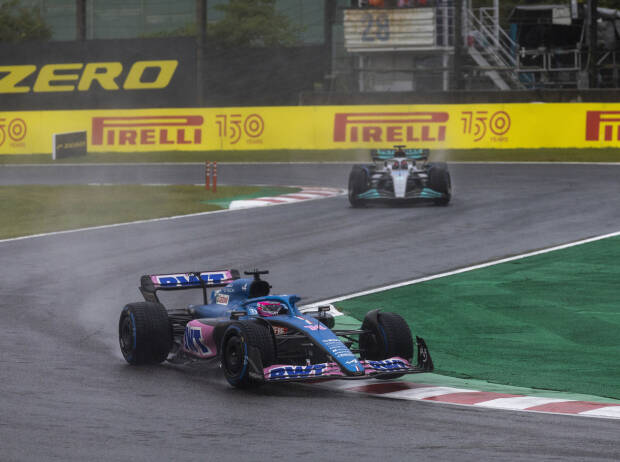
(465, 269)
(317, 193)
(115, 225)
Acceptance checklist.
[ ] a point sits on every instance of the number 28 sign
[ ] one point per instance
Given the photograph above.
(377, 27)
(389, 29)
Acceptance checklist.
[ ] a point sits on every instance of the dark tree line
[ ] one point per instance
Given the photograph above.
(19, 23)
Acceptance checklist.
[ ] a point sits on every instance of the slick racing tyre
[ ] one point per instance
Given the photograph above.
(144, 333)
(439, 180)
(388, 336)
(243, 343)
(358, 183)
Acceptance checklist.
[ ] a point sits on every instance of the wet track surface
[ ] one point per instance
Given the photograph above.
(68, 395)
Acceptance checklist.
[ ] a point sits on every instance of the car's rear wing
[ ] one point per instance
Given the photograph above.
(385, 154)
(151, 283)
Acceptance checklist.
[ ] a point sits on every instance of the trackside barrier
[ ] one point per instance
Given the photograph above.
(440, 126)
(214, 176)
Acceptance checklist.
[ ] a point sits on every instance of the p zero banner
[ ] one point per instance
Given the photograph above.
(68, 145)
(98, 74)
(492, 126)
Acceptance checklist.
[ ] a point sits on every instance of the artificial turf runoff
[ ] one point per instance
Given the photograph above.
(44, 209)
(550, 321)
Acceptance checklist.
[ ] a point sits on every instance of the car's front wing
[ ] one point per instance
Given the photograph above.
(425, 193)
(331, 370)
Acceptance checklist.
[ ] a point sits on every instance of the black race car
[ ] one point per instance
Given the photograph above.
(401, 175)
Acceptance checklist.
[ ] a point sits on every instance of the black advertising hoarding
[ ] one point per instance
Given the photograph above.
(69, 145)
(98, 74)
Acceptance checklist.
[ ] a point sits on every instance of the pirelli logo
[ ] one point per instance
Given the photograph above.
(605, 123)
(390, 127)
(148, 130)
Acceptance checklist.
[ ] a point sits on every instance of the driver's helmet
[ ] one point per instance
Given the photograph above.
(269, 308)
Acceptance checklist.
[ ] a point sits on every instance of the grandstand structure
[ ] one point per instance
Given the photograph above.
(447, 44)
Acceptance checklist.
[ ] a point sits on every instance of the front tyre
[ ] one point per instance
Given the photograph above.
(439, 180)
(358, 184)
(387, 335)
(246, 347)
(144, 333)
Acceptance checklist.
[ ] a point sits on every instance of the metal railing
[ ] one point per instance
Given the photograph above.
(491, 48)
(545, 68)
(499, 43)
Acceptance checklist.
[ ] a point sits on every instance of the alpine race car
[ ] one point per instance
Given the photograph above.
(400, 175)
(259, 338)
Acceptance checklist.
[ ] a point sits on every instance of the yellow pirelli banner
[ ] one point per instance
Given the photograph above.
(486, 126)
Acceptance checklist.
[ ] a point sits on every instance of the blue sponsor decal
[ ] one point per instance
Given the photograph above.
(184, 281)
(215, 278)
(192, 340)
(388, 365)
(168, 281)
(191, 279)
(288, 372)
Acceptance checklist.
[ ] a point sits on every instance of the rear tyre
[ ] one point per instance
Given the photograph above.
(242, 343)
(439, 180)
(144, 333)
(388, 336)
(358, 183)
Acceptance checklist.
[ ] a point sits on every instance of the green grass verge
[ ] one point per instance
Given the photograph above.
(188, 156)
(45, 209)
(548, 322)
(342, 155)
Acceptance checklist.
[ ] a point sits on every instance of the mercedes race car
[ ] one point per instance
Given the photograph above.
(400, 175)
(259, 338)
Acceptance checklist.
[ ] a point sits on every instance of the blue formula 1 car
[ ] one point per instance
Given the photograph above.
(259, 338)
(400, 175)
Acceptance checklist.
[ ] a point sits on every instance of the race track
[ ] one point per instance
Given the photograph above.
(67, 395)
